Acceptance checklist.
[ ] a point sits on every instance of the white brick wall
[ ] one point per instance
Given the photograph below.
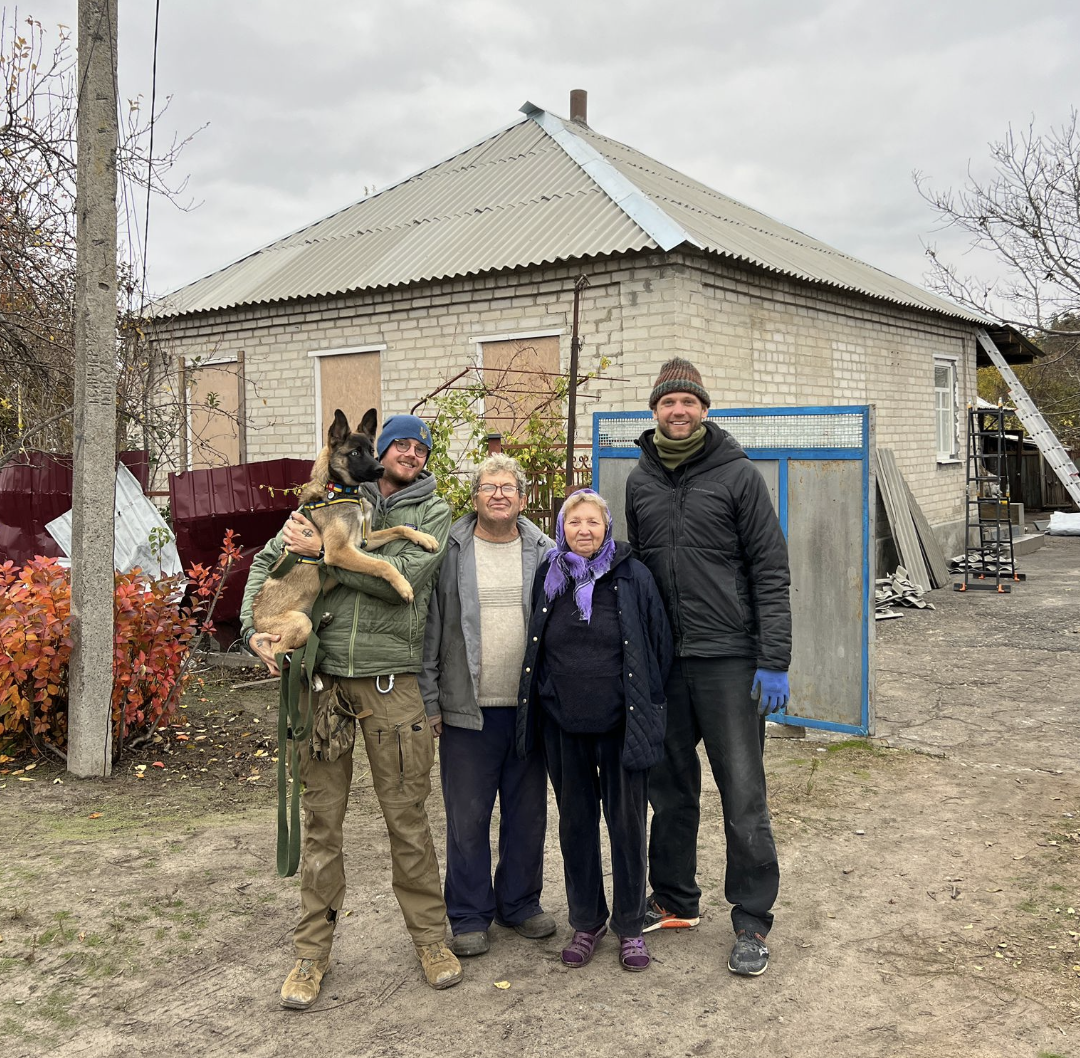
(758, 339)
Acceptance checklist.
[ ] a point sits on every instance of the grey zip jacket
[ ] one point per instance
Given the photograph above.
(450, 678)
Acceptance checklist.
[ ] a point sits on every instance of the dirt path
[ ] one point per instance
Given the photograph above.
(928, 902)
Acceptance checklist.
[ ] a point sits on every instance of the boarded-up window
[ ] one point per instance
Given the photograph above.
(351, 382)
(215, 415)
(520, 374)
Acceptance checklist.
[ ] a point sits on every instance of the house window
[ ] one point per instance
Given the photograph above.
(349, 379)
(945, 410)
(215, 433)
(520, 375)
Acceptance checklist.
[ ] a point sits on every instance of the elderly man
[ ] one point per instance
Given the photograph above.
(473, 650)
(698, 514)
(370, 656)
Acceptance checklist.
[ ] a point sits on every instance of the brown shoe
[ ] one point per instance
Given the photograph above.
(441, 967)
(301, 987)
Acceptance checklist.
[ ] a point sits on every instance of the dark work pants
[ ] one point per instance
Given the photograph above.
(475, 766)
(586, 771)
(709, 698)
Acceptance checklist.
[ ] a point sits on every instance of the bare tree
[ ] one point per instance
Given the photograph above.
(37, 241)
(1027, 215)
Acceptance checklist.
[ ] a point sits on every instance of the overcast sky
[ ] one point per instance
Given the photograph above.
(814, 112)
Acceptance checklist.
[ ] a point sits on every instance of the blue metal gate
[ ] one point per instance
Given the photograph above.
(816, 463)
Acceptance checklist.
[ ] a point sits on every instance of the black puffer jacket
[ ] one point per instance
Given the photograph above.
(711, 539)
(646, 660)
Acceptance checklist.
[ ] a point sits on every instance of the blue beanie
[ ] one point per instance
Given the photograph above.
(403, 428)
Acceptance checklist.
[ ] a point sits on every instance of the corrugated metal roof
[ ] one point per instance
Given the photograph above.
(515, 199)
(540, 191)
(727, 226)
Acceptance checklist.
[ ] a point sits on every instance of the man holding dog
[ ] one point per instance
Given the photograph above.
(473, 653)
(371, 653)
(700, 518)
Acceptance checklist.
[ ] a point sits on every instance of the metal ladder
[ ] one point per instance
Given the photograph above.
(1037, 427)
(989, 560)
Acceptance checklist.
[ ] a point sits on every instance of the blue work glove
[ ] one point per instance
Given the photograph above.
(771, 690)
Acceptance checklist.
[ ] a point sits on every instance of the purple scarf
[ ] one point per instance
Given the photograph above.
(566, 568)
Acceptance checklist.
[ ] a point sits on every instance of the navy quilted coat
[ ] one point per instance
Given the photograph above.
(647, 653)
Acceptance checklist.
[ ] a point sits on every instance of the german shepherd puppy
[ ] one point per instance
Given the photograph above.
(283, 605)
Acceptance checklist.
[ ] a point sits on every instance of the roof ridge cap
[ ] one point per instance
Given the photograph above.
(666, 232)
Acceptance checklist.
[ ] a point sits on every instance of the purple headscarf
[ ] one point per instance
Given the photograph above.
(566, 567)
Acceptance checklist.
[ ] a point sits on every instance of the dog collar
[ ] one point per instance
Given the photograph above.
(335, 493)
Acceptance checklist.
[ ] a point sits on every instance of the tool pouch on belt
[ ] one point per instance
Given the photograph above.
(334, 729)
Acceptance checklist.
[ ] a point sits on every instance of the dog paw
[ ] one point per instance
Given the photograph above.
(427, 542)
(400, 585)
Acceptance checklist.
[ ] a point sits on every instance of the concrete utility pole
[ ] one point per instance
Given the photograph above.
(90, 678)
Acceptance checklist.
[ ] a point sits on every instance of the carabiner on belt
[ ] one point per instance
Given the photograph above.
(389, 686)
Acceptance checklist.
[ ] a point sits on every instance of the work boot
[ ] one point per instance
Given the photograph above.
(440, 964)
(301, 987)
(536, 928)
(468, 944)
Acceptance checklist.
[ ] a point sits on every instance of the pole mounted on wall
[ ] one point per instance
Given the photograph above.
(571, 396)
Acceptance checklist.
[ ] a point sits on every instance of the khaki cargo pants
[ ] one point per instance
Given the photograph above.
(401, 751)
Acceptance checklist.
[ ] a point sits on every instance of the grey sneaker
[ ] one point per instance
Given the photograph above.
(749, 957)
(465, 945)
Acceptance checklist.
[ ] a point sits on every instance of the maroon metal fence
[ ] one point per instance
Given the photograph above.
(35, 489)
(252, 499)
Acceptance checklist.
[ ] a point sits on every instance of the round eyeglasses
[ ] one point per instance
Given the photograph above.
(490, 490)
(403, 445)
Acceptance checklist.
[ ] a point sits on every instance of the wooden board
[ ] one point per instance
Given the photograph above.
(893, 493)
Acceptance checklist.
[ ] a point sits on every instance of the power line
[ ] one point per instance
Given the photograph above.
(150, 152)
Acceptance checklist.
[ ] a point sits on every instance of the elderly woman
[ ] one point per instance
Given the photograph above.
(592, 691)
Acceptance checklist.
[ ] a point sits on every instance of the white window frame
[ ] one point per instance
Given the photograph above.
(946, 404)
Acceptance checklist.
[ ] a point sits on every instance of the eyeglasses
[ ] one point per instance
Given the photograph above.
(404, 445)
(490, 490)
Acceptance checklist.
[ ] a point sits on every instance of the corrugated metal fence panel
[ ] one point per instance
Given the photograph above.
(252, 499)
(36, 490)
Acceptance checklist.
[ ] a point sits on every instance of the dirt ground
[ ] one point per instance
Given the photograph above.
(929, 897)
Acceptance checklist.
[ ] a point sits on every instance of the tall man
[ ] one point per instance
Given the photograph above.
(699, 516)
(473, 651)
(371, 652)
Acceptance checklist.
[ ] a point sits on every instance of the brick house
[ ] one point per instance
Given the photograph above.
(472, 263)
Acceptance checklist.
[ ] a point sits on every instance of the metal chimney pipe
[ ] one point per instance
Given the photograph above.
(579, 105)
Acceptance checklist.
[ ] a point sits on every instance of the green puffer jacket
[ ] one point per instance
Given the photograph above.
(374, 632)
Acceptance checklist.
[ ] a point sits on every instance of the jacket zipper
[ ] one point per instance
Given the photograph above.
(674, 521)
(355, 629)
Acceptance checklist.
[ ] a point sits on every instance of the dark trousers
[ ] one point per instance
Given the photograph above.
(709, 698)
(475, 766)
(586, 772)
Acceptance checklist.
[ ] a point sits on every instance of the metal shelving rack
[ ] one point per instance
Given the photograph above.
(989, 561)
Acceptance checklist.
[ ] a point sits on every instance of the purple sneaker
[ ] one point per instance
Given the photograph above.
(633, 955)
(581, 947)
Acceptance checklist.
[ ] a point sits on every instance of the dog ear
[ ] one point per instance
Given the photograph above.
(370, 422)
(338, 433)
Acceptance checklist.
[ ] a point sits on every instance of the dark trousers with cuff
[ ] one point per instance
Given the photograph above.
(709, 699)
(476, 767)
(587, 773)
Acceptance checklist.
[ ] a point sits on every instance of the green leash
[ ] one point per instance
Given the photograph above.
(291, 720)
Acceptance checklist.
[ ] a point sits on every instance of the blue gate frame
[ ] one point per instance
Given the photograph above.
(816, 461)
